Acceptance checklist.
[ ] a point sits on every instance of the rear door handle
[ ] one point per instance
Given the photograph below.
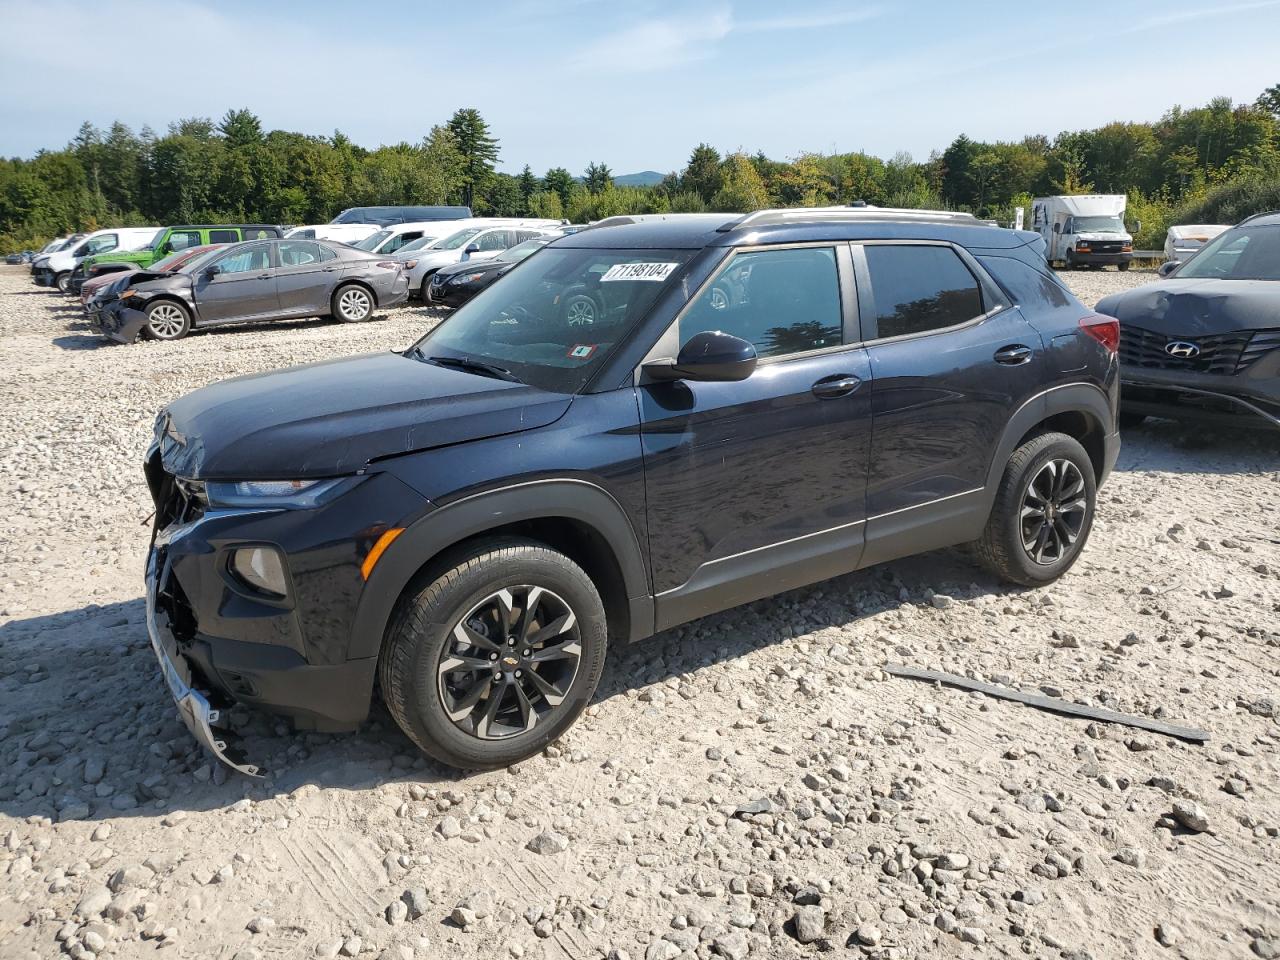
(1013, 355)
(840, 385)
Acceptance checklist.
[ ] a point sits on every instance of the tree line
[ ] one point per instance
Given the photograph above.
(1213, 163)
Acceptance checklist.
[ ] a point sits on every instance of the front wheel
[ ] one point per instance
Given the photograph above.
(167, 320)
(63, 282)
(1122, 267)
(351, 303)
(496, 657)
(1043, 512)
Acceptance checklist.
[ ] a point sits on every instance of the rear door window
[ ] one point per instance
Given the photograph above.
(918, 288)
(299, 253)
(224, 236)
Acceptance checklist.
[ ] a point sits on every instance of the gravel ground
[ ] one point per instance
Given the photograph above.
(752, 784)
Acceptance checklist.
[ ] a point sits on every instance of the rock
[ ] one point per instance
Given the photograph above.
(328, 948)
(94, 769)
(416, 901)
(548, 842)
(1190, 815)
(1167, 935)
(763, 805)
(941, 601)
(351, 947)
(260, 925)
(397, 912)
(952, 861)
(472, 909)
(1267, 949)
(662, 950)
(894, 915)
(131, 875)
(867, 935)
(93, 902)
(94, 941)
(972, 934)
(449, 827)
(1130, 857)
(543, 929)
(809, 924)
(732, 946)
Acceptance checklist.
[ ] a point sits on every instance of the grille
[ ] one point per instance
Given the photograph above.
(1105, 246)
(1224, 354)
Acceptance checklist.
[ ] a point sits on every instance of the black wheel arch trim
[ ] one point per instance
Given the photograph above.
(473, 515)
(1083, 398)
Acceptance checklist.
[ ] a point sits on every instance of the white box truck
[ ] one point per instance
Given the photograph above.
(1083, 231)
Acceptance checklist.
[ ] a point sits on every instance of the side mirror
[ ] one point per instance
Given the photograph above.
(1168, 267)
(212, 270)
(1137, 226)
(469, 249)
(1057, 228)
(711, 357)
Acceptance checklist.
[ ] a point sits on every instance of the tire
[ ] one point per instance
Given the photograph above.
(1122, 267)
(351, 303)
(1002, 549)
(426, 282)
(1131, 421)
(63, 282)
(167, 320)
(580, 310)
(427, 634)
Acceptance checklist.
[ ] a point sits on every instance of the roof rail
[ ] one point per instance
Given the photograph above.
(859, 211)
(1255, 216)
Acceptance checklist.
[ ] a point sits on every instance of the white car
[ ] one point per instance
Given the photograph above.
(55, 270)
(351, 233)
(391, 238)
(1184, 242)
(478, 239)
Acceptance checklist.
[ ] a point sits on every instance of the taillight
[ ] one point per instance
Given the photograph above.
(1104, 329)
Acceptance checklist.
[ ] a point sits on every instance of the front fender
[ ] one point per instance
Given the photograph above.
(478, 513)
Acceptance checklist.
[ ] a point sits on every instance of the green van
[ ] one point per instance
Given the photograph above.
(171, 240)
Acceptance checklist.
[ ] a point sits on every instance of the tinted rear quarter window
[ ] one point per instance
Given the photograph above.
(920, 287)
(224, 236)
(1025, 284)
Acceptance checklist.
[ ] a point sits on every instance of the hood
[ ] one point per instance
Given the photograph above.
(332, 418)
(473, 266)
(1191, 308)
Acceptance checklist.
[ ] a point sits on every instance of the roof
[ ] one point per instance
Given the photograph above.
(694, 231)
(1269, 219)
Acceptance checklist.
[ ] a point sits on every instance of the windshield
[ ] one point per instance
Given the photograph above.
(1097, 225)
(553, 321)
(416, 244)
(1247, 253)
(455, 240)
(521, 250)
(373, 241)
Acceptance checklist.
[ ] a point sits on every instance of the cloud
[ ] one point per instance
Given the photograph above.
(655, 44)
(813, 21)
(662, 43)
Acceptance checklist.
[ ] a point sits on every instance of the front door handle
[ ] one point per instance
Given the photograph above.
(263, 276)
(1014, 354)
(840, 385)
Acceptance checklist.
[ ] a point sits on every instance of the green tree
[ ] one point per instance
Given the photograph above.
(561, 181)
(1269, 100)
(742, 188)
(702, 173)
(479, 150)
(597, 178)
(240, 128)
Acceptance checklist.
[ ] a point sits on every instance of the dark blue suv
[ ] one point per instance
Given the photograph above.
(639, 425)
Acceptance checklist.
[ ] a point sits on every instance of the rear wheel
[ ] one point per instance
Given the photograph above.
(1043, 511)
(352, 303)
(167, 320)
(580, 310)
(496, 657)
(1122, 267)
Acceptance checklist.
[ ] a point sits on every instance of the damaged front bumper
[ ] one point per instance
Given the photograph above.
(194, 706)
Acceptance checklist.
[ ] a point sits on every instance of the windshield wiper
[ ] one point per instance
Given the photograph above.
(472, 366)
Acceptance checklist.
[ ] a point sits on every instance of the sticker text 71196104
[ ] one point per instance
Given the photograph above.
(638, 271)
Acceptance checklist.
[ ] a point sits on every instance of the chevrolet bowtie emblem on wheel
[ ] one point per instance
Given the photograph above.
(510, 661)
(1182, 349)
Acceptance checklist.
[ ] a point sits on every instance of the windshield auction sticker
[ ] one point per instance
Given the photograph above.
(638, 271)
(582, 351)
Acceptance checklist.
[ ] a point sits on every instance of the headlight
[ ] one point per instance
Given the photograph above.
(467, 277)
(277, 494)
(409, 265)
(261, 568)
(129, 292)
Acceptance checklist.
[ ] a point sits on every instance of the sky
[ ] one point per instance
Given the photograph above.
(635, 85)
